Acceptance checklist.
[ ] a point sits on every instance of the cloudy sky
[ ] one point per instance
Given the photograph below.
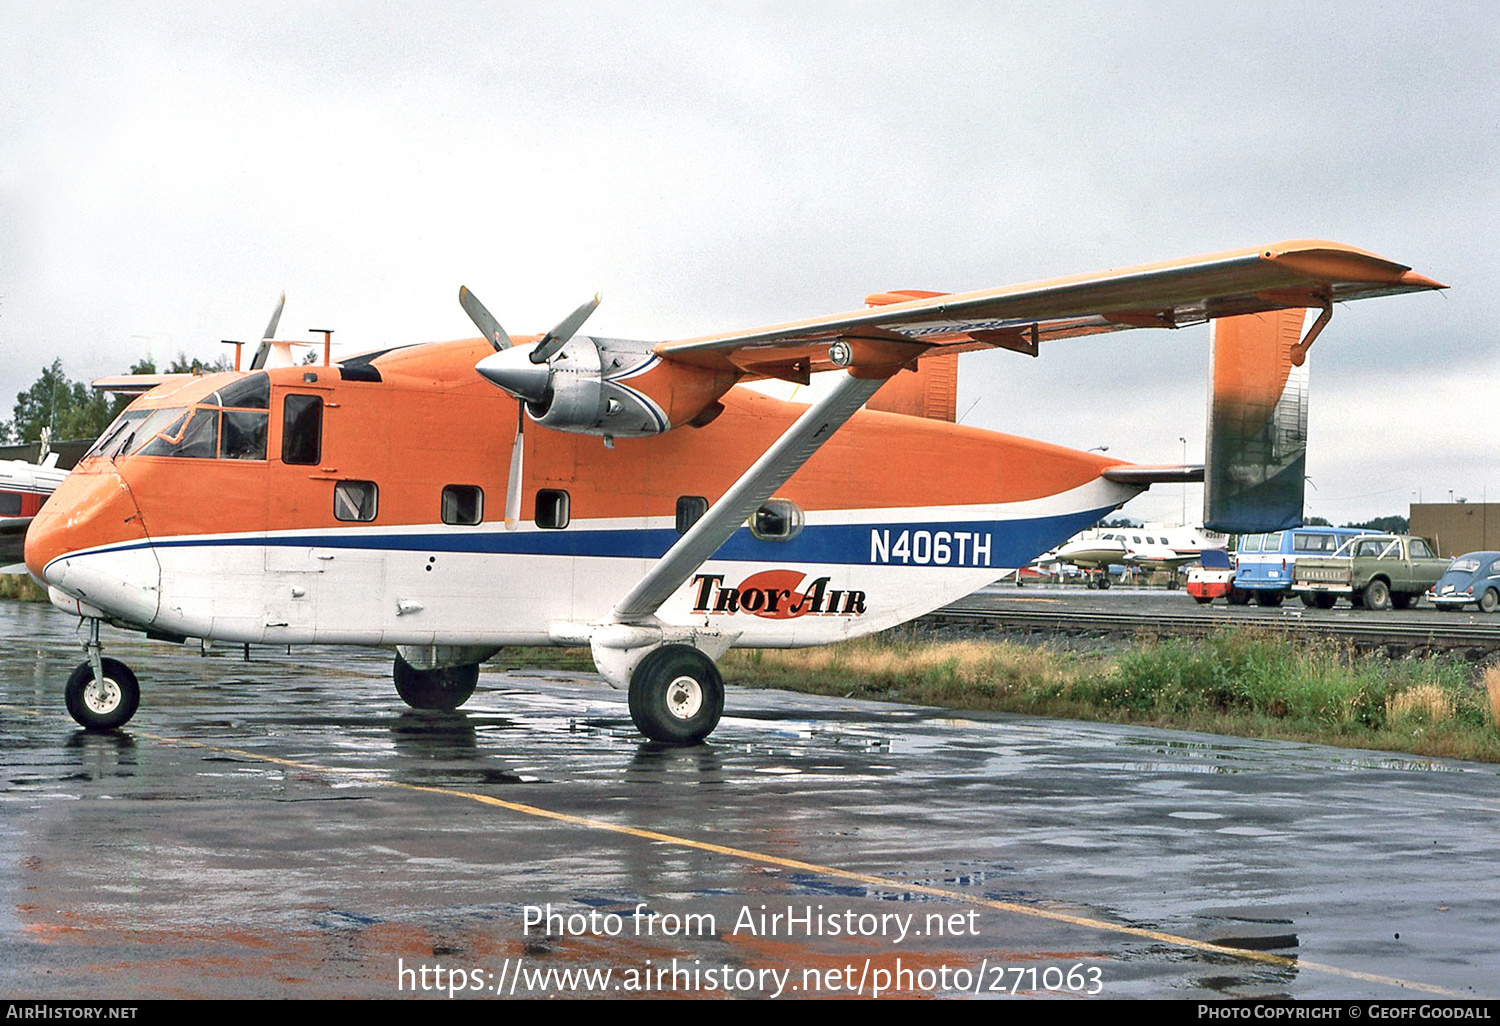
(166, 170)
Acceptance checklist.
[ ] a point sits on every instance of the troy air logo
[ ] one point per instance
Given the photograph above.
(773, 594)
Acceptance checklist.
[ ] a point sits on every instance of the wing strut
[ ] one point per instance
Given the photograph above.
(755, 486)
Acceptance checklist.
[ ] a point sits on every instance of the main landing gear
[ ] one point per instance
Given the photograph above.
(102, 694)
(676, 695)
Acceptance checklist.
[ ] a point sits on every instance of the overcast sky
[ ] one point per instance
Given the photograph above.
(166, 170)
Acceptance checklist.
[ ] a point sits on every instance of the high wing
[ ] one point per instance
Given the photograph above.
(1305, 273)
(874, 344)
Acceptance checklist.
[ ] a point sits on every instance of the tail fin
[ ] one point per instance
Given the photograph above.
(1257, 427)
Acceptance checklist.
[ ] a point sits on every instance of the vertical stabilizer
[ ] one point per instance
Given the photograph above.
(1257, 424)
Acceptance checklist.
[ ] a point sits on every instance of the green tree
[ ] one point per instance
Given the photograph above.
(1385, 525)
(74, 410)
(70, 408)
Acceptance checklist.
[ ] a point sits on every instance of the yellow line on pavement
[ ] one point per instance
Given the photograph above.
(828, 871)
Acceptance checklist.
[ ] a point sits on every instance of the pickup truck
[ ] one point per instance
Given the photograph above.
(1376, 571)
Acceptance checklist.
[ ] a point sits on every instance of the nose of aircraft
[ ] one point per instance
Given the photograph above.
(89, 542)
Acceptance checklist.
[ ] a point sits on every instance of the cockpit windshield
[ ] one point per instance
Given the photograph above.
(229, 424)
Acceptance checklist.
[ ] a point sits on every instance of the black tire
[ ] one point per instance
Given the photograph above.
(1202, 600)
(446, 689)
(1268, 598)
(1357, 599)
(1326, 601)
(1489, 601)
(102, 708)
(1309, 599)
(676, 695)
(1404, 599)
(1238, 596)
(1104, 582)
(1377, 595)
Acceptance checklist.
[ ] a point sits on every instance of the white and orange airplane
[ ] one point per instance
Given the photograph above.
(450, 498)
(24, 487)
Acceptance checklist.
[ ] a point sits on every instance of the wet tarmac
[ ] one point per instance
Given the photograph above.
(286, 827)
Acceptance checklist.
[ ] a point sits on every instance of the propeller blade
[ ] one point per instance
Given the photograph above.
(259, 359)
(559, 336)
(483, 319)
(513, 485)
(275, 318)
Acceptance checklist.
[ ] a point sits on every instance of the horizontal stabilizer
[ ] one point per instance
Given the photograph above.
(1142, 475)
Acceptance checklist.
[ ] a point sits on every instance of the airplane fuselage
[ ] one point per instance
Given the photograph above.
(387, 527)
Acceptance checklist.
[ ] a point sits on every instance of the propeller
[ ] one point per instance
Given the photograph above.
(264, 351)
(527, 375)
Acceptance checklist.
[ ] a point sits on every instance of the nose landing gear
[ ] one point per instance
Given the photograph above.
(102, 694)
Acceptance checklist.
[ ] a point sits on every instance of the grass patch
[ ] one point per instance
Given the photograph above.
(21, 588)
(1237, 682)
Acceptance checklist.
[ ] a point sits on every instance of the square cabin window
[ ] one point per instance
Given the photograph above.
(463, 504)
(690, 509)
(355, 500)
(552, 508)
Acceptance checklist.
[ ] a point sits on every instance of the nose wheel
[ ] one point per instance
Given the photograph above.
(103, 701)
(102, 694)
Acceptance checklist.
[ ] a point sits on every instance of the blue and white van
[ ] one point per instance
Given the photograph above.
(1264, 567)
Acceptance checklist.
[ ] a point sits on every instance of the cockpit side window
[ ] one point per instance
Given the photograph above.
(242, 435)
(302, 429)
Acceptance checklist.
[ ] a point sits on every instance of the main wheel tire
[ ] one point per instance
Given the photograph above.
(102, 705)
(1489, 601)
(1377, 595)
(676, 695)
(1268, 598)
(446, 688)
(1326, 601)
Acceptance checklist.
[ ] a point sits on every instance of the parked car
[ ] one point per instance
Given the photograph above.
(1212, 578)
(1376, 571)
(1264, 562)
(1472, 578)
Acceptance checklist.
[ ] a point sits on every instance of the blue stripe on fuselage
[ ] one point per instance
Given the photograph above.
(1009, 543)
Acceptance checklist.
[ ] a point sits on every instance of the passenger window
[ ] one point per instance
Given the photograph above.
(463, 504)
(777, 520)
(1419, 549)
(302, 429)
(1273, 542)
(690, 509)
(552, 509)
(355, 500)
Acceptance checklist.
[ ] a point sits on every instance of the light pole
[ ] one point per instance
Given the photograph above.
(1184, 484)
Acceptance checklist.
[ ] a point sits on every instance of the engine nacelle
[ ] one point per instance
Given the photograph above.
(602, 386)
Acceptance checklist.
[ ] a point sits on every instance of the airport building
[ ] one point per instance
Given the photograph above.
(1458, 527)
